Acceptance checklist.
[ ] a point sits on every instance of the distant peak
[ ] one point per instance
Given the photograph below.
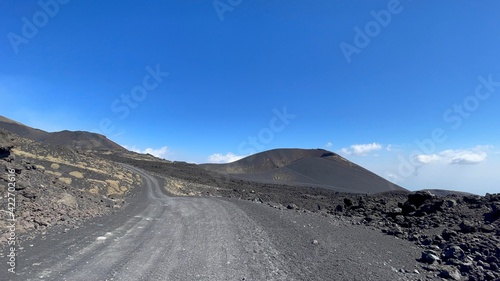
(76, 139)
(7, 120)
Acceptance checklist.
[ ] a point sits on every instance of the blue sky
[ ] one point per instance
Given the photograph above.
(407, 89)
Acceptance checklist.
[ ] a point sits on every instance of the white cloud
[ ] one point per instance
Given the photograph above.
(328, 144)
(162, 152)
(461, 157)
(361, 149)
(470, 156)
(393, 177)
(426, 159)
(227, 158)
(131, 148)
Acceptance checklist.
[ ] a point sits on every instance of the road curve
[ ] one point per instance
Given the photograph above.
(168, 238)
(193, 238)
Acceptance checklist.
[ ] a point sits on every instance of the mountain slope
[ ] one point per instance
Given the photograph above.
(265, 161)
(75, 140)
(57, 185)
(311, 167)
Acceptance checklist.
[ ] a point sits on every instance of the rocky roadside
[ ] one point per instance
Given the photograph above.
(40, 197)
(42, 201)
(459, 235)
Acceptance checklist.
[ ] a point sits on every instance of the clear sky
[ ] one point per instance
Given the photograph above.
(407, 89)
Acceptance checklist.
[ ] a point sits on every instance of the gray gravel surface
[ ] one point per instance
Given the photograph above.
(158, 237)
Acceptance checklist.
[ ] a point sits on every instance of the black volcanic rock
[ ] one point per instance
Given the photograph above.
(418, 198)
(5, 145)
(429, 256)
(467, 227)
(495, 212)
(4, 152)
(453, 252)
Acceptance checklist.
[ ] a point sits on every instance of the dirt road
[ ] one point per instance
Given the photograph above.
(158, 237)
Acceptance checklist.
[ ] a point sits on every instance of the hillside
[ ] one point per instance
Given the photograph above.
(309, 167)
(56, 185)
(265, 161)
(75, 140)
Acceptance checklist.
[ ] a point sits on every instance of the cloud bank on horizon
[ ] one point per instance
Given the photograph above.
(162, 152)
(361, 149)
(224, 158)
(474, 155)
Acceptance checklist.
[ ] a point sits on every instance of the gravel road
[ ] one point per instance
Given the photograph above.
(158, 237)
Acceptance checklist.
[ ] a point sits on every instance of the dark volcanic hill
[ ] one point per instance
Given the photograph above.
(265, 161)
(308, 167)
(75, 140)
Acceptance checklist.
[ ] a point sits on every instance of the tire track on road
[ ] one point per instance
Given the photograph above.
(173, 238)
